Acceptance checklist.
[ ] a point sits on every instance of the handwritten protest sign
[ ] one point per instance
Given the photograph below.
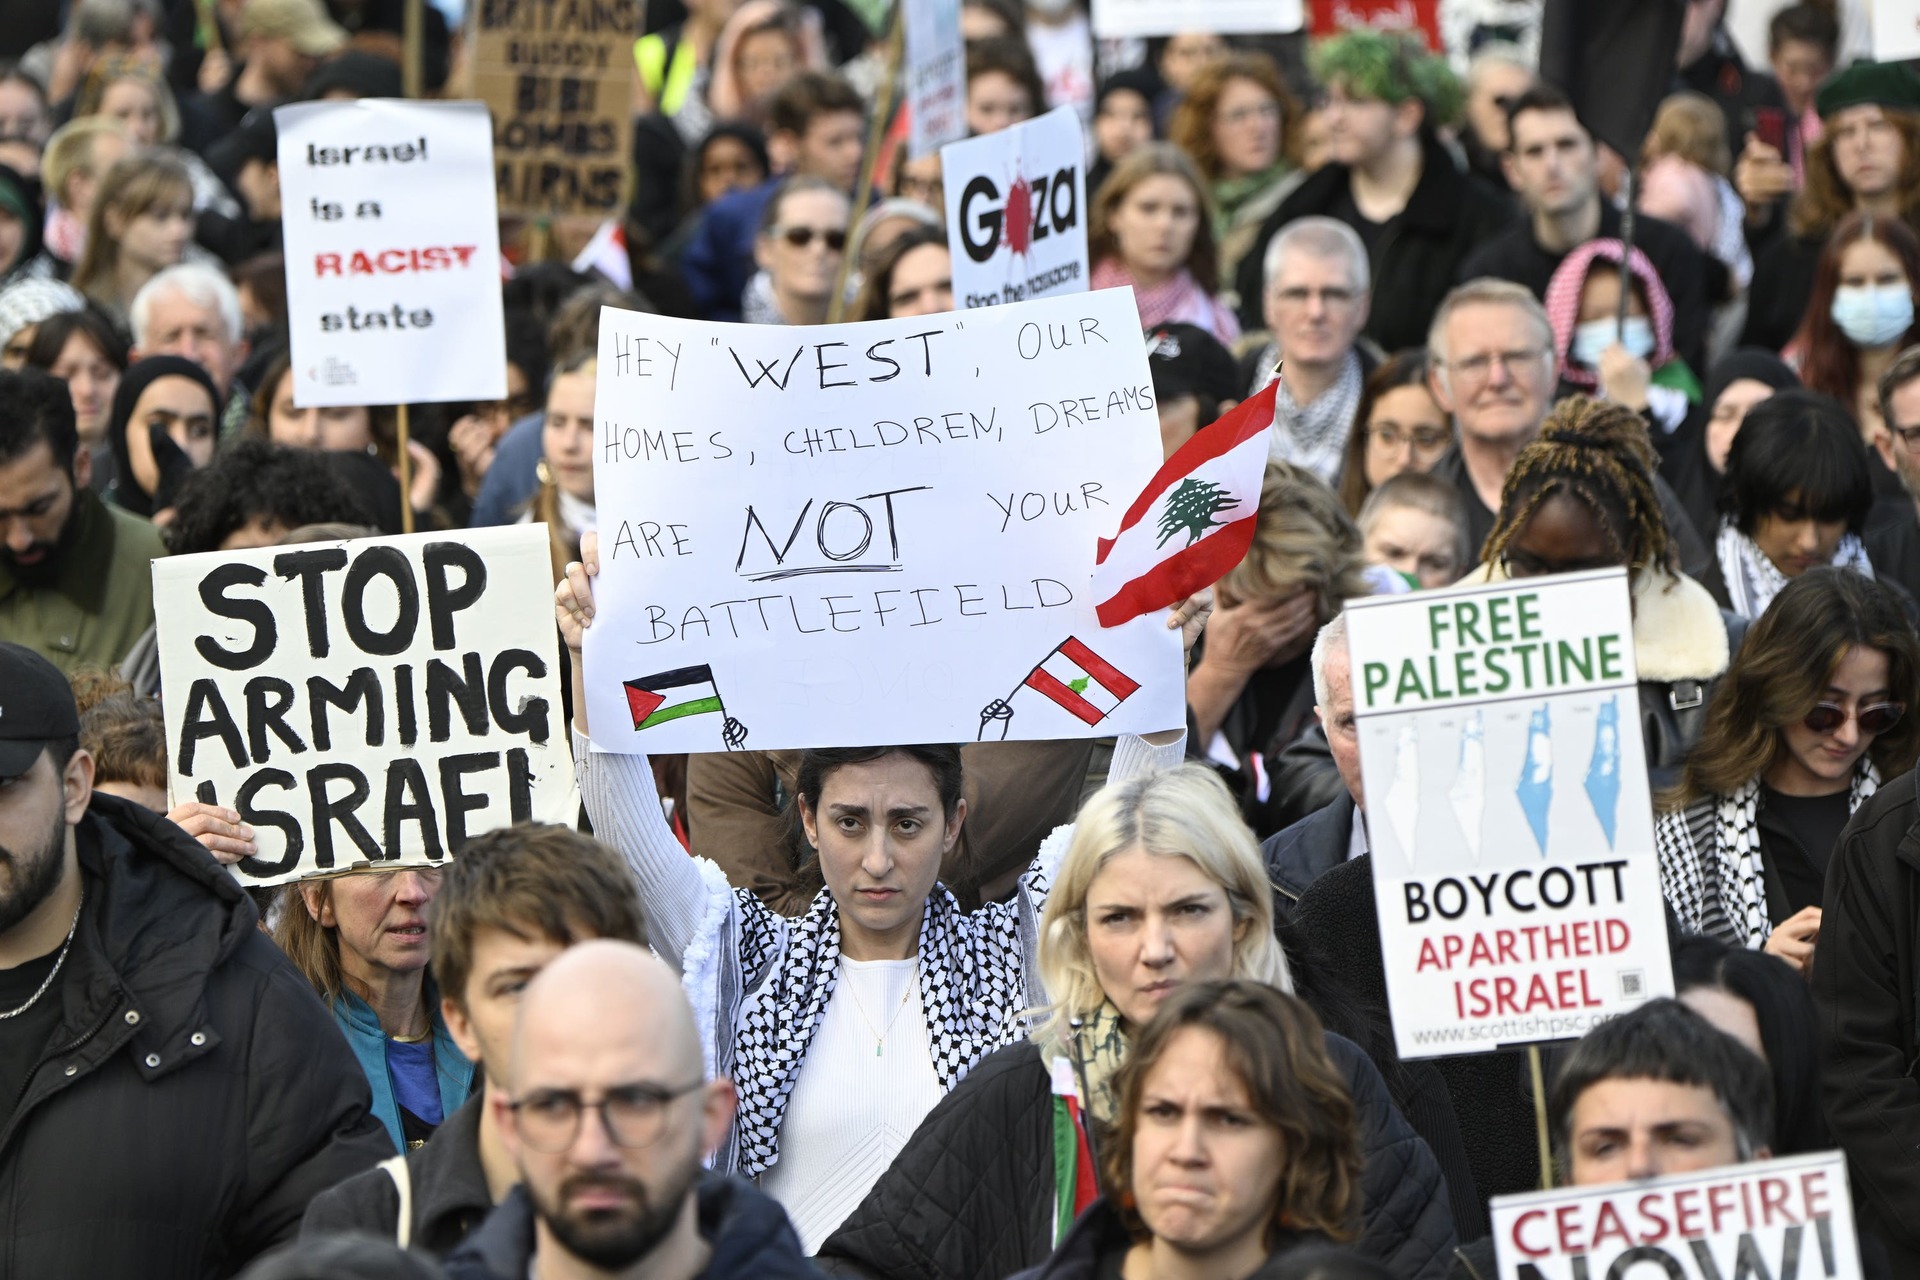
(1017, 211)
(936, 75)
(393, 252)
(1115, 18)
(558, 78)
(1775, 1218)
(1508, 812)
(870, 533)
(1896, 30)
(373, 702)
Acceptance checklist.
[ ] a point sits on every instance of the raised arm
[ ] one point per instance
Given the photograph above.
(620, 797)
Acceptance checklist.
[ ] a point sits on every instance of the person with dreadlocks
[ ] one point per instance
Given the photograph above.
(1582, 496)
(1810, 720)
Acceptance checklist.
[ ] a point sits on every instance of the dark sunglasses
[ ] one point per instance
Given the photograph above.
(801, 237)
(1878, 718)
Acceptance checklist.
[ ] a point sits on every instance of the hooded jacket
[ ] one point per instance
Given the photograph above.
(748, 1232)
(1420, 250)
(195, 1095)
(447, 1185)
(972, 1193)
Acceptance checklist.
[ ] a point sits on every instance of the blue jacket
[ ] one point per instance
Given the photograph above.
(514, 477)
(719, 258)
(361, 1027)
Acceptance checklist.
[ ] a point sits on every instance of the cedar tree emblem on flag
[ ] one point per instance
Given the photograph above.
(1073, 678)
(673, 695)
(1210, 490)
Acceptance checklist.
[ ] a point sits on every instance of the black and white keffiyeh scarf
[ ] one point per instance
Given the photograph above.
(1711, 872)
(1753, 581)
(1314, 436)
(973, 987)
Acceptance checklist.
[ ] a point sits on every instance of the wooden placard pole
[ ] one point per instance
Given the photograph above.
(883, 107)
(406, 472)
(1540, 1116)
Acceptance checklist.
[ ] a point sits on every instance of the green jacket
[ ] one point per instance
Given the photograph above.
(102, 599)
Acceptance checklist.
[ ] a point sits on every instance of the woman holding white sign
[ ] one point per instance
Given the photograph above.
(844, 1027)
(1809, 722)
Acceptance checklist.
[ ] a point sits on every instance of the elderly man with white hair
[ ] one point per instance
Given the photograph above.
(1315, 303)
(193, 310)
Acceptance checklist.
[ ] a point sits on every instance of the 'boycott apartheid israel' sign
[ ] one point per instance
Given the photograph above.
(366, 703)
(393, 253)
(871, 533)
(1017, 211)
(1507, 810)
(1789, 1219)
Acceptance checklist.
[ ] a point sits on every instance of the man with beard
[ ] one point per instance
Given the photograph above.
(175, 1093)
(609, 1118)
(74, 580)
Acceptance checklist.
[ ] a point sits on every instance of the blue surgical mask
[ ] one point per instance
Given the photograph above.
(1873, 315)
(1595, 336)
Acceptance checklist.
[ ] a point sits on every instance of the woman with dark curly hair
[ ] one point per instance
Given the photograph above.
(1235, 1142)
(1810, 720)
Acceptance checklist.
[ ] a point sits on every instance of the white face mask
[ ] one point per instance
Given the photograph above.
(1595, 336)
(1873, 315)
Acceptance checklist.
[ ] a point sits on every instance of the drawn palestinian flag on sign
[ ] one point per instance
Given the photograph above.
(672, 695)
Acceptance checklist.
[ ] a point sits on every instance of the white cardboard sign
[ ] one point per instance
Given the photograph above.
(936, 75)
(1896, 30)
(1017, 211)
(1116, 18)
(1508, 810)
(393, 252)
(870, 533)
(365, 703)
(1778, 1218)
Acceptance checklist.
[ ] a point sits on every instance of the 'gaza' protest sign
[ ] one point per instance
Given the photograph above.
(1017, 211)
(1507, 810)
(870, 533)
(936, 75)
(392, 251)
(1117, 18)
(1789, 1219)
(365, 703)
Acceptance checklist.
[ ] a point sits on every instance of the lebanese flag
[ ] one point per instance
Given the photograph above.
(1081, 682)
(1193, 522)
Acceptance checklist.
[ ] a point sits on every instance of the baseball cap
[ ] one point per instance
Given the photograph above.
(36, 707)
(303, 22)
(1186, 360)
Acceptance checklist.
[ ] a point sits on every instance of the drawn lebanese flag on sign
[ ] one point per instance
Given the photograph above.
(1193, 522)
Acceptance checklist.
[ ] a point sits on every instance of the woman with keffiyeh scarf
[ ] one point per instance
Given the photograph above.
(1810, 719)
(845, 1025)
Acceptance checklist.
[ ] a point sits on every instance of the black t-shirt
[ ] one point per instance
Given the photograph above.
(1345, 210)
(25, 1037)
(1797, 868)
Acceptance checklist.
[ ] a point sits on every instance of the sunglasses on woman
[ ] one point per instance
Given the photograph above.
(801, 237)
(1878, 718)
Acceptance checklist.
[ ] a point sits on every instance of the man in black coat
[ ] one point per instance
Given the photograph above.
(1893, 525)
(1413, 204)
(177, 1092)
(1553, 164)
(610, 1116)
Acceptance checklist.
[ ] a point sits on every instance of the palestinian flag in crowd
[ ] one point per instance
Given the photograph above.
(1193, 522)
(672, 695)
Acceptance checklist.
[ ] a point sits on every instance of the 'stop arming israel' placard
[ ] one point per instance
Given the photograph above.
(871, 533)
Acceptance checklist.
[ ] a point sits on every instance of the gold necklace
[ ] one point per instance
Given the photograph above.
(880, 1037)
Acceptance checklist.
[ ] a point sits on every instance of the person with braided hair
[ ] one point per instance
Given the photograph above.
(1583, 496)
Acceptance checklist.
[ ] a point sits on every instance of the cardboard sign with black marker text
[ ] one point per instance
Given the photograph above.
(372, 703)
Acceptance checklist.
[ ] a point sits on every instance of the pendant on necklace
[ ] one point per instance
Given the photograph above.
(877, 1046)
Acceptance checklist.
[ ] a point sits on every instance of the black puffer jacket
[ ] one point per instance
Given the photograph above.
(972, 1193)
(199, 1094)
(1098, 1243)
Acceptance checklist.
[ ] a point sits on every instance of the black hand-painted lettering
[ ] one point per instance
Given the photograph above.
(455, 801)
(444, 601)
(409, 800)
(361, 692)
(446, 688)
(251, 813)
(309, 566)
(327, 811)
(207, 717)
(254, 612)
(269, 698)
(533, 716)
(389, 563)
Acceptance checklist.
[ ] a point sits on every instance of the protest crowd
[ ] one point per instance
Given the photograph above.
(1123, 1004)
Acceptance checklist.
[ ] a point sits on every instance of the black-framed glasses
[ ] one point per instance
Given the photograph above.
(1909, 437)
(1878, 718)
(1391, 435)
(1525, 361)
(634, 1115)
(801, 237)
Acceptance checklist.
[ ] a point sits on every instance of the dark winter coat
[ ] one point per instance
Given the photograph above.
(1097, 1247)
(196, 1095)
(1420, 250)
(972, 1193)
(450, 1197)
(1866, 983)
(748, 1233)
(1295, 858)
